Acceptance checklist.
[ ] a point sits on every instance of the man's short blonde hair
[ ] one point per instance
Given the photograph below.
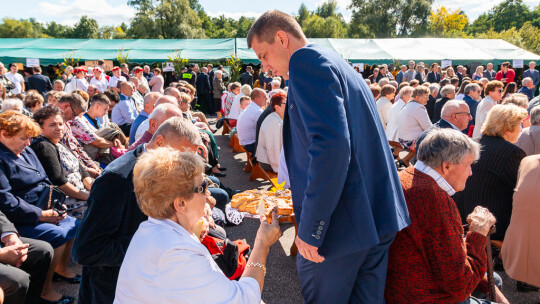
(503, 118)
(163, 174)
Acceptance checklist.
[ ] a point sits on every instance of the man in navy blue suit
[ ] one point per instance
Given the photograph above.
(533, 73)
(347, 197)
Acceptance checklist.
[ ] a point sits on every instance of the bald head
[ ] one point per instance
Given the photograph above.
(174, 92)
(150, 100)
(160, 114)
(166, 99)
(259, 97)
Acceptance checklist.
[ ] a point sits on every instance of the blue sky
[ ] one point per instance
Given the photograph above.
(111, 12)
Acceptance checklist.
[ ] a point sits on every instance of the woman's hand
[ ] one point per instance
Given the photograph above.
(268, 234)
(51, 216)
(117, 143)
(93, 172)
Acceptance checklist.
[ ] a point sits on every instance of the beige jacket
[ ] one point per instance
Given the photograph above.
(521, 247)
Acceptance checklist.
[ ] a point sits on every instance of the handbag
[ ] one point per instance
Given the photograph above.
(231, 257)
(51, 198)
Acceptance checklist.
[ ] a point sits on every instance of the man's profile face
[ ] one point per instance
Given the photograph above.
(457, 174)
(275, 56)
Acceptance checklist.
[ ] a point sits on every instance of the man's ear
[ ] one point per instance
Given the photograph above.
(282, 38)
(160, 141)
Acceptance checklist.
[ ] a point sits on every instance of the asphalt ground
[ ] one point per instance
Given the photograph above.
(281, 282)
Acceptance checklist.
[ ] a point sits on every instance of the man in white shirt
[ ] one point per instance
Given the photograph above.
(247, 121)
(270, 134)
(15, 78)
(493, 92)
(99, 81)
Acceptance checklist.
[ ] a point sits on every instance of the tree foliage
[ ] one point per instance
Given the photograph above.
(324, 22)
(445, 23)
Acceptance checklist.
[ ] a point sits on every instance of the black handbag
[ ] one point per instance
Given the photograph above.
(51, 198)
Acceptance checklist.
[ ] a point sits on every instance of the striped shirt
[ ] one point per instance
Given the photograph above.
(420, 166)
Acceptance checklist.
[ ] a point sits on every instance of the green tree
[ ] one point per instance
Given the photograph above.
(391, 18)
(303, 14)
(12, 28)
(530, 36)
(482, 24)
(318, 27)
(56, 30)
(509, 14)
(327, 9)
(86, 28)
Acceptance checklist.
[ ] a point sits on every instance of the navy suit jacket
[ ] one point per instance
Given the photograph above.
(433, 77)
(40, 83)
(441, 124)
(22, 180)
(535, 75)
(203, 84)
(345, 188)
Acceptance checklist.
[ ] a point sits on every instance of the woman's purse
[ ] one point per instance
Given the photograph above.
(52, 198)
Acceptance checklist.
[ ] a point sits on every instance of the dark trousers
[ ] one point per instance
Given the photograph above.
(98, 284)
(24, 284)
(250, 148)
(216, 105)
(356, 278)
(125, 129)
(205, 103)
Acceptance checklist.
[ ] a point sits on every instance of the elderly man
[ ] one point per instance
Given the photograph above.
(218, 89)
(203, 91)
(125, 112)
(58, 85)
(529, 138)
(346, 222)
(147, 73)
(430, 261)
(455, 115)
(489, 73)
(401, 74)
(493, 92)
(149, 102)
(113, 215)
(448, 92)
(533, 74)
(528, 87)
(247, 121)
(169, 97)
(473, 92)
(92, 90)
(161, 113)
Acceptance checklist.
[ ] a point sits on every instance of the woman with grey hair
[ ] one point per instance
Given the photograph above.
(529, 138)
(413, 119)
(432, 251)
(219, 89)
(12, 104)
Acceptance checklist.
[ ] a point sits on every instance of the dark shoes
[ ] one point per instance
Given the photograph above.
(63, 300)
(524, 287)
(75, 280)
(220, 174)
(222, 169)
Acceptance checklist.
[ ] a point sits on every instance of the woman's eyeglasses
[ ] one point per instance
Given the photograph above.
(202, 187)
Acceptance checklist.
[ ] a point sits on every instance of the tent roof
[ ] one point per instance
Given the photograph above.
(460, 51)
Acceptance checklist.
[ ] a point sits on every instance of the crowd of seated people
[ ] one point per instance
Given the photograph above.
(72, 142)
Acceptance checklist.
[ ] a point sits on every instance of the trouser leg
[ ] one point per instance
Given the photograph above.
(37, 264)
(14, 282)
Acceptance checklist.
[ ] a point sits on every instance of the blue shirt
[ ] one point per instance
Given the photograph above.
(125, 111)
(136, 123)
(527, 91)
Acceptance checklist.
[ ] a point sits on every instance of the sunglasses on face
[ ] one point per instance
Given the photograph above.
(202, 187)
(500, 90)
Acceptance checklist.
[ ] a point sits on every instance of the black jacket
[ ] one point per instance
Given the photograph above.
(104, 234)
(441, 124)
(246, 78)
(203, 84)
(439, 104)
(40, 83)
(492, 183)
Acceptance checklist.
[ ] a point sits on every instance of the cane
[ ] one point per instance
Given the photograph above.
(491, 281)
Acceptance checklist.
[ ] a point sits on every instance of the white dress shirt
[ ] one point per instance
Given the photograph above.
(125, 111)
(143, 127)
(270, 141)
(165, 264)
(383, 107)
(235, 111)
(481, 114)
(413, 121)
(247, 124)
(393, 115)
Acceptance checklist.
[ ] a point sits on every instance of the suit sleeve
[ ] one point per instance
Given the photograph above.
(5, 225)
(96, 243)
(15, 207)
(320, 102)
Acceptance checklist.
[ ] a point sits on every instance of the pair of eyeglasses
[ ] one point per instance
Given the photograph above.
(500, 90)
(468, 113)
(202, 187)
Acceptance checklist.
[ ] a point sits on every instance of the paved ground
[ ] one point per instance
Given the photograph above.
(281, 285)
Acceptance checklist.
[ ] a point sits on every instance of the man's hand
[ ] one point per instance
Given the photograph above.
(14, 255)
(308, 252)
(11, 239)
(480, 220)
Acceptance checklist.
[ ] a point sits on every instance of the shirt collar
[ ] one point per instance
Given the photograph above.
(420, 166)
(456, 128)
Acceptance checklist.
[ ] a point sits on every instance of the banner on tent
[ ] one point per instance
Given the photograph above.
(446, 63)
(168, 67)
(517, 64)
(94, 63)
(360, 67)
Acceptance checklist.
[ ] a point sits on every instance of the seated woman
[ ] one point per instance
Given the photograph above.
(430, 261)
(529, 138)
(413, 119)
(179, 266)
(199, 116)
(235, 91)
(23, 183)
(61, 165)
(33, 101)
(96, 141)
(520, 248)
(270, 134)
(494, 176)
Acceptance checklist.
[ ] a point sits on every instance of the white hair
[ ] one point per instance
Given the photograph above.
(276, 83)
(12, 104)
(526, 81)
(447, 89)
(246, 89)
(451, 107)
(434, 87)
(218, 72)
(383, 81)
(446, 145)
(160, 111)
(273, 92)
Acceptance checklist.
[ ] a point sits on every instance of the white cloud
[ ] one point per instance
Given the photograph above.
(234, 15)
(69, 12)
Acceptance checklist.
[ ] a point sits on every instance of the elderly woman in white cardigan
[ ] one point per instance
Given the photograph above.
(165, 262)
(413, 119)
